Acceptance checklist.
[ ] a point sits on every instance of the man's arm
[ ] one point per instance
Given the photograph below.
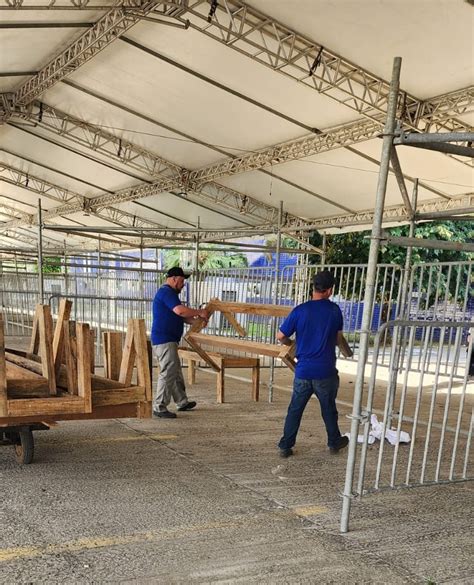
(343, 345)
(188, 313)
(283, 339)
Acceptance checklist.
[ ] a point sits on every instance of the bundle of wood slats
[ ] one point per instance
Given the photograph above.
(55, 380)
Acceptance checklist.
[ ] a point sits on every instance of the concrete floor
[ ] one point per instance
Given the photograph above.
(206, 499)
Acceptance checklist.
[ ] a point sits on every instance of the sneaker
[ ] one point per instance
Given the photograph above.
(164, 414)
(342, 442)
(188, 406)
(285, 453)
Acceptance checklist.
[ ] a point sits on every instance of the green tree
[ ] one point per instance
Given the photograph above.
(353, 248)
(209, 259)
(51, 265)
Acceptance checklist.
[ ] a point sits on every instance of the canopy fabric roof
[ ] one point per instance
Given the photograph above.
(167, 115)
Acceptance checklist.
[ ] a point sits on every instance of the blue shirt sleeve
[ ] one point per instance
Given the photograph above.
(339, 319)
(288, 327)
(169, 298)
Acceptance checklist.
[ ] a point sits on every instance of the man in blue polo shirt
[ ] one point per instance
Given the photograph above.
(169, 316)
(318, 327)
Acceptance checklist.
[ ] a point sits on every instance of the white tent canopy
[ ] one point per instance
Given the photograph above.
(154, 114)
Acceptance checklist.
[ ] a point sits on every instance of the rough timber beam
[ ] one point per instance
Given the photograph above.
(269, 42)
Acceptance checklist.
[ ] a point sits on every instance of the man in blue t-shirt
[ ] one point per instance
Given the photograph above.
(318, 327)
(169, 316)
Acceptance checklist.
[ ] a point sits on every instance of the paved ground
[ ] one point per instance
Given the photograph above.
(206, 499)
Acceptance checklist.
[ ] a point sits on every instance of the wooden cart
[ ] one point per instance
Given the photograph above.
(54, 379)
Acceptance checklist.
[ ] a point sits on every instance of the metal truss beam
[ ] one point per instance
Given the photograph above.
(67, 5)
(69, 199)
(463, 204)
(269, 42)
(98, 140)
(14, 214)
(456, 103)
(108, 28)
(346, 135)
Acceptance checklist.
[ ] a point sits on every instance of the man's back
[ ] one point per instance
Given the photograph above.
(316, 324)
(167, 326)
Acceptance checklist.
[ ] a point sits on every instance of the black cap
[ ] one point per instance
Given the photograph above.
(176, 271)
(323, 280)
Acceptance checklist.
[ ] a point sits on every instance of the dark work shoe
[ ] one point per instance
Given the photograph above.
(342, 442)
(188, 406)
(285, 453)
(164, 414)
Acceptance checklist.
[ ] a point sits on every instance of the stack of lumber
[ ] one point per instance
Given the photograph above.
(54, 379)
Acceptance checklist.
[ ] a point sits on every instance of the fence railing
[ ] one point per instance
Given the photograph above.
(107, 296)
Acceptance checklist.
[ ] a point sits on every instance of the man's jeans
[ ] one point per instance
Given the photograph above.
(170, 380)
(326, 391)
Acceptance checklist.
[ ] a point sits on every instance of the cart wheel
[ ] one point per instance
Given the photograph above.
(25, 447)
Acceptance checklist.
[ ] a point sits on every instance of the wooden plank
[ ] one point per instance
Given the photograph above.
(16, 372)
(112, 350)
(132, 410)
(24, 362)
(27, 388)
(234, 344)
(122, 396)
(230, 361)
(3, 372)
(59, 331)
(45, 327)
(51, 406)
(191, 372)
(256, 381)
(34, 341)
(204, 355)
(128, 356)
(220, 384)
(84, 378)
(92, 350)
(239, 362)
(141, 358)
(98, 382)
(70, 357)
(251, 308)
(235, 324)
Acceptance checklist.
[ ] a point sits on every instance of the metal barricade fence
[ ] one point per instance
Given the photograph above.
(109, 295)
(432, 414)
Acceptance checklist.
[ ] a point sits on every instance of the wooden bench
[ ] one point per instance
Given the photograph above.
(223, 361)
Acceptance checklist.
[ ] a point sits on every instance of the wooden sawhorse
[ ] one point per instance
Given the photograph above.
(223, 361)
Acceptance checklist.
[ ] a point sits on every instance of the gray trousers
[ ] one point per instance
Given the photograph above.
(170, 381)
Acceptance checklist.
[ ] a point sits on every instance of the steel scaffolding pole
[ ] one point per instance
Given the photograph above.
(370, 288)
(40, 254)
(196, 265)
(275, 300)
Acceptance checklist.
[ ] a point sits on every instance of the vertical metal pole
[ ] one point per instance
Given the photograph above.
(65, 270)
(370, 288)
(196, 295)
(324, 248)
(40, 254)
(142, 291)
(275, 299)
(98, 339)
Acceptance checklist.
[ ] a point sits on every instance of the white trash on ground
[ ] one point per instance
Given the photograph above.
(376, 431)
